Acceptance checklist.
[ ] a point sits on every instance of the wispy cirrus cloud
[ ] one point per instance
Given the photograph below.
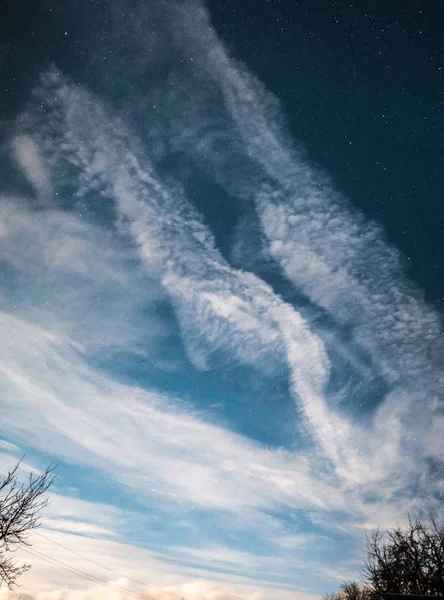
(75, 277)
(84, 547)
(218, 307)
(328, 249)
(120, 247)
(341, 262)
(50, 388)
(26, 154)
(53, 392)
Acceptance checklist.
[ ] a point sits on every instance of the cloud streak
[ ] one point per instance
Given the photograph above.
(325, 247)
(233, 311)
(121, 263)
(134, 570)
(27, 156)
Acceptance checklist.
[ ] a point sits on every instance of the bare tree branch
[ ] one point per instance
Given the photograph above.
(409, 560)
(20, 507)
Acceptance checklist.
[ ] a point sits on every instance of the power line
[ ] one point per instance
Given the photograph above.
(88, 576)
(80, 573)
(100, 564)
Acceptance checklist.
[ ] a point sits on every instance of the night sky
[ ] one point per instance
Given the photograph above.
(222, 287)
(362, 87)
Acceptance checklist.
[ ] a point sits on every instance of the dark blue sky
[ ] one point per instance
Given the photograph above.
(362, 84)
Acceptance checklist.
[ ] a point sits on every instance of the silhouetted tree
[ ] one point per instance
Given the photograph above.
(350, 590)
(20, 506)
(404, 560)
(407, 560)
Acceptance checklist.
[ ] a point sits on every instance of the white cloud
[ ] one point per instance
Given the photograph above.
(219, 308)
(339, 259)
(64, 563)
(76, 527)
(63, 507)
(336, 257)
(9, 461)
(88, 295)
(26, 153)
(8, 446)
(161, 445)
(192, 590)
(74, 277)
